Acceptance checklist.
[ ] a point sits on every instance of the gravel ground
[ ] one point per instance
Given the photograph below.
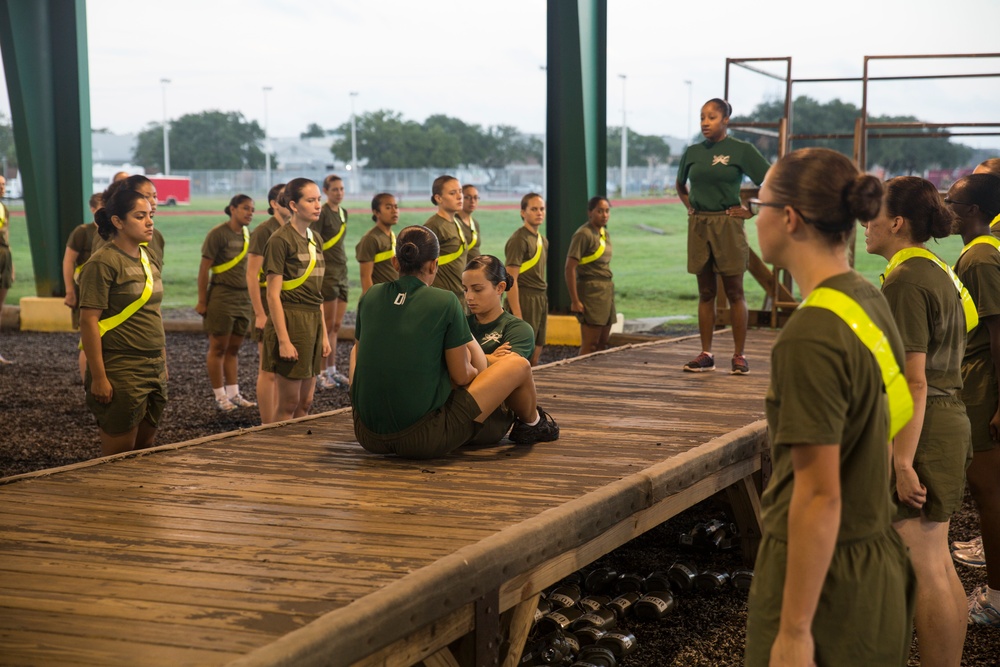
(45, 424)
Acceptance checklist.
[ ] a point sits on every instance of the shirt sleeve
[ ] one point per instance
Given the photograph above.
(983, 280)
(521, 337)
(274, 256)
(95, 285)
(576, 246)
(366, 249)
(756, 165)
(458, 332)
(210, 248)
(909, 306)
(78, 240)
(515, 252)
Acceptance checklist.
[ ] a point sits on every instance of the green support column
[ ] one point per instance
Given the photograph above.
(576, 126)
(44, 45)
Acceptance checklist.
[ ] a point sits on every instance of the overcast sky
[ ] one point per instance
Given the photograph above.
(480, 60)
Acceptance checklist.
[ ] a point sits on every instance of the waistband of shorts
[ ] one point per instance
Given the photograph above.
(945, 399)
(860, 539)
(145, 354)
(301, 306)
(595, 280)
(533, 290)
(724, 212)
(229, 287)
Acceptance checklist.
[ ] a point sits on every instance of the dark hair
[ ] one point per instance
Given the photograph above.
(826, 189)
(330, 179)
(918, 201)
(377, 201)
(469, 185)
(492, 268)
(438, 186)
(722, 105)
(272, 195)
(293, 191)
(95, 201)
(119, 204)
(236, 201)
(415, 246)
(983, 190)
(527, 198)
(594, 201)
(991, 165)
(133, 182)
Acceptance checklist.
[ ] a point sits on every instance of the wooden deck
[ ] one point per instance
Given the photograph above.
(290, 545)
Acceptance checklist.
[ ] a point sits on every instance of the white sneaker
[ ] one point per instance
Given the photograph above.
(340, 380)
(225, 405)
(322, 382)
(5, 362)
(972, 557)
(975, 543)
(241, 402)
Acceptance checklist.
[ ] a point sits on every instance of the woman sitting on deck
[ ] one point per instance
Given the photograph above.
(420, 384)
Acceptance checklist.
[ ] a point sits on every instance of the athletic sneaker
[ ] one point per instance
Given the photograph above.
(339, 380)
(225, 405)
(703, 362)
(975, 543)
(740, 365)
(972, 557)
(4, 362)
(241, 402)
(546, 430)
(982, 612)
(323, 382)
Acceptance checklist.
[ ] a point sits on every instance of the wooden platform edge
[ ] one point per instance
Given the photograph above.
(363, 627)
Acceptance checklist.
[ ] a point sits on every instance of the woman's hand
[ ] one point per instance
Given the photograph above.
(101, 390)
(502, 351)
(793, 651)
(909, 489)
(739, 212)
(326, 347)
(576, 307)
(70, 299)
(288, 352)
(259, 322)
(201, 308)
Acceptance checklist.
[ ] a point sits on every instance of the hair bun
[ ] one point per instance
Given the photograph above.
(863, 197)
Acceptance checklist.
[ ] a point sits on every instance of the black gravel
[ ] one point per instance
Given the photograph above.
(44, 423)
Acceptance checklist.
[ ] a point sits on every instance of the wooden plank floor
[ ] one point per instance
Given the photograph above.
(203, 552)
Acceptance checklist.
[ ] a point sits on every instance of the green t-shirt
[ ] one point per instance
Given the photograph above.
(403, 328)
(287, 254)
(826, 388)
(929, 316)
(504, 329)
(328, 226)
(472, 238)
(110, 281)
(716, 171)
(371, 244)
(585, 242)
(449, 276)
(222, 245)
(81, 240)
(979, 270)
(521, 247)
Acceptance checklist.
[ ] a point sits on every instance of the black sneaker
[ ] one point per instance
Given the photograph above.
(703, 362)
(546, 430)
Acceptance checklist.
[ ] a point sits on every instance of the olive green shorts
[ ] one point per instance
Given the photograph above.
(535, 311)
(434, 435)
(943, 453)
(228, 312)
(6, 268)
(717, 242)
(305, 330)
(74, 314)
(598, 298)
(139, 392)
(333, 289)
(496, 426)
(979, 393)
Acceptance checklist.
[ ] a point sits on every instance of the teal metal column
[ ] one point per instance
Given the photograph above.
(576, 126)
(44, 45)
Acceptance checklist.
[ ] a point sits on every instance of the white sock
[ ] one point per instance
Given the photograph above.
(232, 390)
(709, 354)
(993, 597)
(538, 418)
(220, 393)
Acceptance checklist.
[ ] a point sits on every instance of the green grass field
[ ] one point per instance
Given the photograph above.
(651, 279)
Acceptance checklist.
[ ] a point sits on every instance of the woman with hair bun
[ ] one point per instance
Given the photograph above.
(404, 403)
(446, 194)
(589, 277)
(833, 583)
(526, 256)
(930, 454)
(377, 247)
(267, 396)
(295, 340)
(332, 226)
(223, 301)
(717, 242)
(120, 292)
(145, 187)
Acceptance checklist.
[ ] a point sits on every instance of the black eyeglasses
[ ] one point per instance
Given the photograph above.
(756, 204)
(950, 201)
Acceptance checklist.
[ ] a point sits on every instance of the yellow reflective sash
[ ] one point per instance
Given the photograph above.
(851, 312)
(3, 218)
(968, 305)
(225, 266)
(538, 254)
(336, 237)
(295, 282)
(475, 232)
(988, 239)
(387, 254)
(109, 323)
(995, 221)
(452, 256)
(76, 273)
(600, 249)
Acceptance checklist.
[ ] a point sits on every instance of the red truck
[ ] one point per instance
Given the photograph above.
(171, 190)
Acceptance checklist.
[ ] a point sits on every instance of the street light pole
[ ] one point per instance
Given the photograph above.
(545, 136)
(166, 130)
(354, 147)
(267, 144)
(624, 139)
(690, 112)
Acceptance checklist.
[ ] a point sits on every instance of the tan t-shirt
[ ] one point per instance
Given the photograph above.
(287, 254)
(452, 240)
(222, 245)
(374, 242)
(585, 242)
(328, 226)
(521, 247)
